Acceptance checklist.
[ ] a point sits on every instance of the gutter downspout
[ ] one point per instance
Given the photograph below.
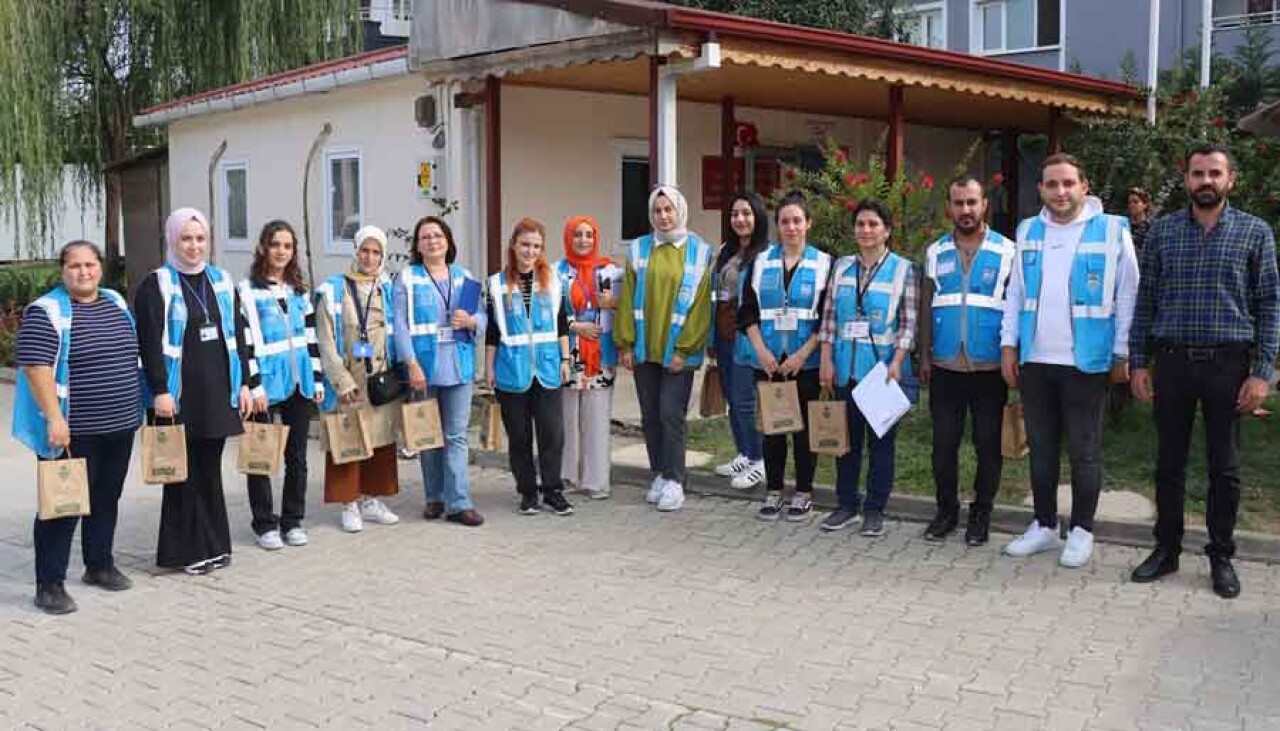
(213, 167)
(325, 131)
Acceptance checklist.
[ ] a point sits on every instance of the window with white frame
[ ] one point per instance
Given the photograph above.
(232, 224)
(1236, 13)
(344, 204)
(1005, 26)
(924, 25)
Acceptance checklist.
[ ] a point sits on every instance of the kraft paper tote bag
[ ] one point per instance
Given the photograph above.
(348, 433)
(422, 428)
(62, 486)
(779, 407)
(829, 425)
(262, 448)
(1013, 432)
(491, 426)
(711, 401)
(164, 453)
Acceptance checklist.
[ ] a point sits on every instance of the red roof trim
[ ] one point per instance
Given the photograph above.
(368, 58)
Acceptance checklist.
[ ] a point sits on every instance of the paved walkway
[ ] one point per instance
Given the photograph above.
(619, 617)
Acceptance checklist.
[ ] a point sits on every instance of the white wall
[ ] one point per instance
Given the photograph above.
(76, 220)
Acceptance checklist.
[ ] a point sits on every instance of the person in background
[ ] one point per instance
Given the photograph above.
(190, 333)
(527, 360)
(869, 318)
(281, 337)
(438, 315)
(662, 329)
(750, 223)
(589, 282)
(77, 393)
(783, 293)
(354, 326)
(1141, 213)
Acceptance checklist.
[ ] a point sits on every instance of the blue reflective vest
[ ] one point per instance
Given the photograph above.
(428, 318)
(175, 329)
(854, 358)
(778, 307)
(280, 339)
(968, 314)
(528, 344)
(329, 296)
(697, 260)
(29, 424)
(1092, 288)
(604, 318)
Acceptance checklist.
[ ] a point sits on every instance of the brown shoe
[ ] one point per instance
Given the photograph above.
(469, 518)
(433, 511)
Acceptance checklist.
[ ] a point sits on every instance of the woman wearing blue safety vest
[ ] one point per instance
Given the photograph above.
(870, 318)
(190, 334)
(526, 362)
(77, 392)
(750, 223)
(437, 315)
(282, 339)
(354, 324)
(663, 325)
(783, 294)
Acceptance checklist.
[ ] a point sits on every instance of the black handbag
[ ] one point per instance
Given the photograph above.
(382, 387)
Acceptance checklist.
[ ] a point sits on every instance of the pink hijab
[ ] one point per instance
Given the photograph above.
(173, 231)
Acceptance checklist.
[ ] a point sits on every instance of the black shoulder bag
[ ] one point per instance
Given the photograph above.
(383, 387)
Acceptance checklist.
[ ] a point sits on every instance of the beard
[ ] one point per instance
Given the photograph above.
(967, 225)
(1207, 197)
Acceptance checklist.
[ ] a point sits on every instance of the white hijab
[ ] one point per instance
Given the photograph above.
(173, 231)
(680, 232)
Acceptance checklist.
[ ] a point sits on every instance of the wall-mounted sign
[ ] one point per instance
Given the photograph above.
(430, 181)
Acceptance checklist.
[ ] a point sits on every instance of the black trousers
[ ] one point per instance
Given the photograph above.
(1057, 399)
(1211, 381)
(107, 459)
(664, 411)
(775, 445)
(537, 411)
(193, 514)
(955, 398)
(296, 414)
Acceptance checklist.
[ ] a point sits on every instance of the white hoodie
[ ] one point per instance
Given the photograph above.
(1054, 340)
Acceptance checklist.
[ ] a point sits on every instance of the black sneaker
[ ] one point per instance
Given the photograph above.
(110, 579)
(978, 530)
(528, 504)
(838, 519)
(554, 500)
(944, 524)
(800, 508)
(220, 561)
(771, 510)
(873, 524)
(52, 597)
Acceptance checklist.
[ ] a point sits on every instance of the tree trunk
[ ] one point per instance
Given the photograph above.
(116, 146)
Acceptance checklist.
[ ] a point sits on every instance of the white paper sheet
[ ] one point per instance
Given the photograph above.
(882, 404)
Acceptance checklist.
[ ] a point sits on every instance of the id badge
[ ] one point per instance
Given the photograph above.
(787, 321)
(362, 349)
(856, 330)
(444, 335)
(208, 332)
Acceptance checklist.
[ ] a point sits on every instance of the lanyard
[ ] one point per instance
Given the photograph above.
(445, 294)
(199, 296)
(362, 315)
(871, 277)
(588, 289)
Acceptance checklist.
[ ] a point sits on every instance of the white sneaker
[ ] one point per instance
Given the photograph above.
(373, 509)
(750, 477)
(601, 494)
(672, 497)
(655, 490)
(1036, 539)
(1078, 550)
(296, 536)
(351, 520)
(270, 541)
(733, 467)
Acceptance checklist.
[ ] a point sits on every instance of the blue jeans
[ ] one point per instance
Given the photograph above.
(879, 475)
(740, 391)
(444, 470)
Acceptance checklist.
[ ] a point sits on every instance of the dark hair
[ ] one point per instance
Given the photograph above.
(415, 256)
(759, 234)
(963, 181)
(1142, 194)
(292, 272)
(1209, 148)
(876, 206)
(1062, 158)
(68, 247)
(793, 198)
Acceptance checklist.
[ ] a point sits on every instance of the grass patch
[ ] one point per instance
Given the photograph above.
(1129, 455)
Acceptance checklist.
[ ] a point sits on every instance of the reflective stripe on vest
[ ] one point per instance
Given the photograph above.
(425, 311)
(697, 260)
(280, 339)
(800, 300)
(969, 317)
(881, 304)
(608, 349)
(175, 328)
(329, 295)
(528, 343)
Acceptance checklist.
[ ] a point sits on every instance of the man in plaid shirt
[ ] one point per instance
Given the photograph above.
(1208, 313)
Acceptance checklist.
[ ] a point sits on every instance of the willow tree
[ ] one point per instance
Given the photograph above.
(73, 74)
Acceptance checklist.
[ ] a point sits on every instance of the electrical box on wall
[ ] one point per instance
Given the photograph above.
(431, 177)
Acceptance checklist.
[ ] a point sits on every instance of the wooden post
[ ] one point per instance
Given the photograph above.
(897, 129)
(1055, 130)
(654, 64)
(1009, 164)
(493, 171)
(728, 134)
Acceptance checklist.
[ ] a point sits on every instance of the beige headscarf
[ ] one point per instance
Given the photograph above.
(173, 232)
(364, 234)
(673, 194)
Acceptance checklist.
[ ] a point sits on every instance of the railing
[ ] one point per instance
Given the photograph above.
(384, 10)
(1259, 17)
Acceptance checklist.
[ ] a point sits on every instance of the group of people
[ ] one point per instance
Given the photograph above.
(1059, 314)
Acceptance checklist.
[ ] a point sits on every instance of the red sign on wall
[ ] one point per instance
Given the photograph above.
(715, 191)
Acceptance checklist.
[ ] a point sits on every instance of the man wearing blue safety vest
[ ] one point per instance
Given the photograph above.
(962, 303)
(1067, 314)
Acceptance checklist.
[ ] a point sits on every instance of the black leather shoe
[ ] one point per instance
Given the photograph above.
(943, 524)
(53, 598)
(110, 579)
(978, 531)
(1162, 561)
(1225, 582)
